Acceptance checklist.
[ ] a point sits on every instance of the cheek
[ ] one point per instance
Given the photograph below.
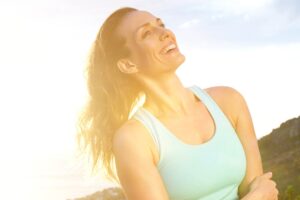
(141, 55)
(136, 53)
(151, 51)
(146, 53)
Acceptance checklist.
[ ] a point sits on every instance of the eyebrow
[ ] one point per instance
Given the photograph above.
(147, 24)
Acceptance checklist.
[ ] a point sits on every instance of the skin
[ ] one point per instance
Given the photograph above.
(179, 110)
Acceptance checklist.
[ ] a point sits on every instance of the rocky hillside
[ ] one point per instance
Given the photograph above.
(280, 151)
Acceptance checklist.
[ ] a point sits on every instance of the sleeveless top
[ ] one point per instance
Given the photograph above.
(212, 170)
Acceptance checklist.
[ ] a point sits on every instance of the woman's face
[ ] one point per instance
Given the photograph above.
(153, 47)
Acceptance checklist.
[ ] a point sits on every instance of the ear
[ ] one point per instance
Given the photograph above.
(126, 66)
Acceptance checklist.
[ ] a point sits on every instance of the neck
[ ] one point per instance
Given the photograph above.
(168, 97)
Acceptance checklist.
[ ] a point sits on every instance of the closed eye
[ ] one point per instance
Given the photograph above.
(146, 33)
(149, 32)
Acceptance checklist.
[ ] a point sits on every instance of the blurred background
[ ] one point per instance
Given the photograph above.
(250, 45)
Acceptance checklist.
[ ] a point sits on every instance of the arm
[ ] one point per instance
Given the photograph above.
(136, 170)
(262, 188)
(255, 184)
(250, 196)
(245, 130)
(234, 106)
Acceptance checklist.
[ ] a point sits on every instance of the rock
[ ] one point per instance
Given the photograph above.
(106, 194)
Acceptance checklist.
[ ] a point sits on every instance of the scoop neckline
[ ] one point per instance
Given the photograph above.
(178, 140)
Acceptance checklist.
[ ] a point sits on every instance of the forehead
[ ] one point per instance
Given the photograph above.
(133, 20)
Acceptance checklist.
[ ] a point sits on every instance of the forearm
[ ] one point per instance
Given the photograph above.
(243, 189)
(250, 196)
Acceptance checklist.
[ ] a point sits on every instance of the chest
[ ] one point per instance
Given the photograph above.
(218, 164)
(194, 129)
(214, 170)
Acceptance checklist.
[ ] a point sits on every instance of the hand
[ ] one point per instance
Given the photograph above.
(264, 188)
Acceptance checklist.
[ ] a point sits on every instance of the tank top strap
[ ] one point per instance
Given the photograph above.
(149, 125)
(202, 94)
(211, 105)
(217, 113)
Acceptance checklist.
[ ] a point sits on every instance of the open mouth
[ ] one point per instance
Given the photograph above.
(169, 48)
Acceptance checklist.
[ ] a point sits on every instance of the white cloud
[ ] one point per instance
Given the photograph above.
(239, 6)
(189, 24)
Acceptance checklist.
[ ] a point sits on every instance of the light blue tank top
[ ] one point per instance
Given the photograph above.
(209, 171)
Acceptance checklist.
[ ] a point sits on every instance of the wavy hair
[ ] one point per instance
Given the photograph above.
(112, 94)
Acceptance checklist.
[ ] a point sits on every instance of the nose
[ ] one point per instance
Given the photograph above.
(165, 34)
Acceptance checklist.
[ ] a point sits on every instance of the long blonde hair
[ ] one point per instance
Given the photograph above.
(112, 94)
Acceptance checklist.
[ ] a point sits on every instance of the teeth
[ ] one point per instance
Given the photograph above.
(172, 46)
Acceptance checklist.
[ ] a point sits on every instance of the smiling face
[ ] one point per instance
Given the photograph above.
(153, 48)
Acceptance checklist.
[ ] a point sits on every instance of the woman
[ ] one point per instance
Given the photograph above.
(183, 143)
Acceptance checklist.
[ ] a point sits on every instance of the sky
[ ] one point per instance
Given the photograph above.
(250, 45)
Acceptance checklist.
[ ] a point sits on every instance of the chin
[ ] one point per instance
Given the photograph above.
(179, 61)
(182, 59)
(171, 65)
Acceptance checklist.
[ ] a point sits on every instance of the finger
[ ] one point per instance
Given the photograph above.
(273, 183)
(267, 175)
(276, 195)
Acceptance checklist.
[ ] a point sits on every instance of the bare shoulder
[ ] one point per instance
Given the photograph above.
(229, 100)
(132, 136)
(133, 158)
(221, 92)
(131, 132)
